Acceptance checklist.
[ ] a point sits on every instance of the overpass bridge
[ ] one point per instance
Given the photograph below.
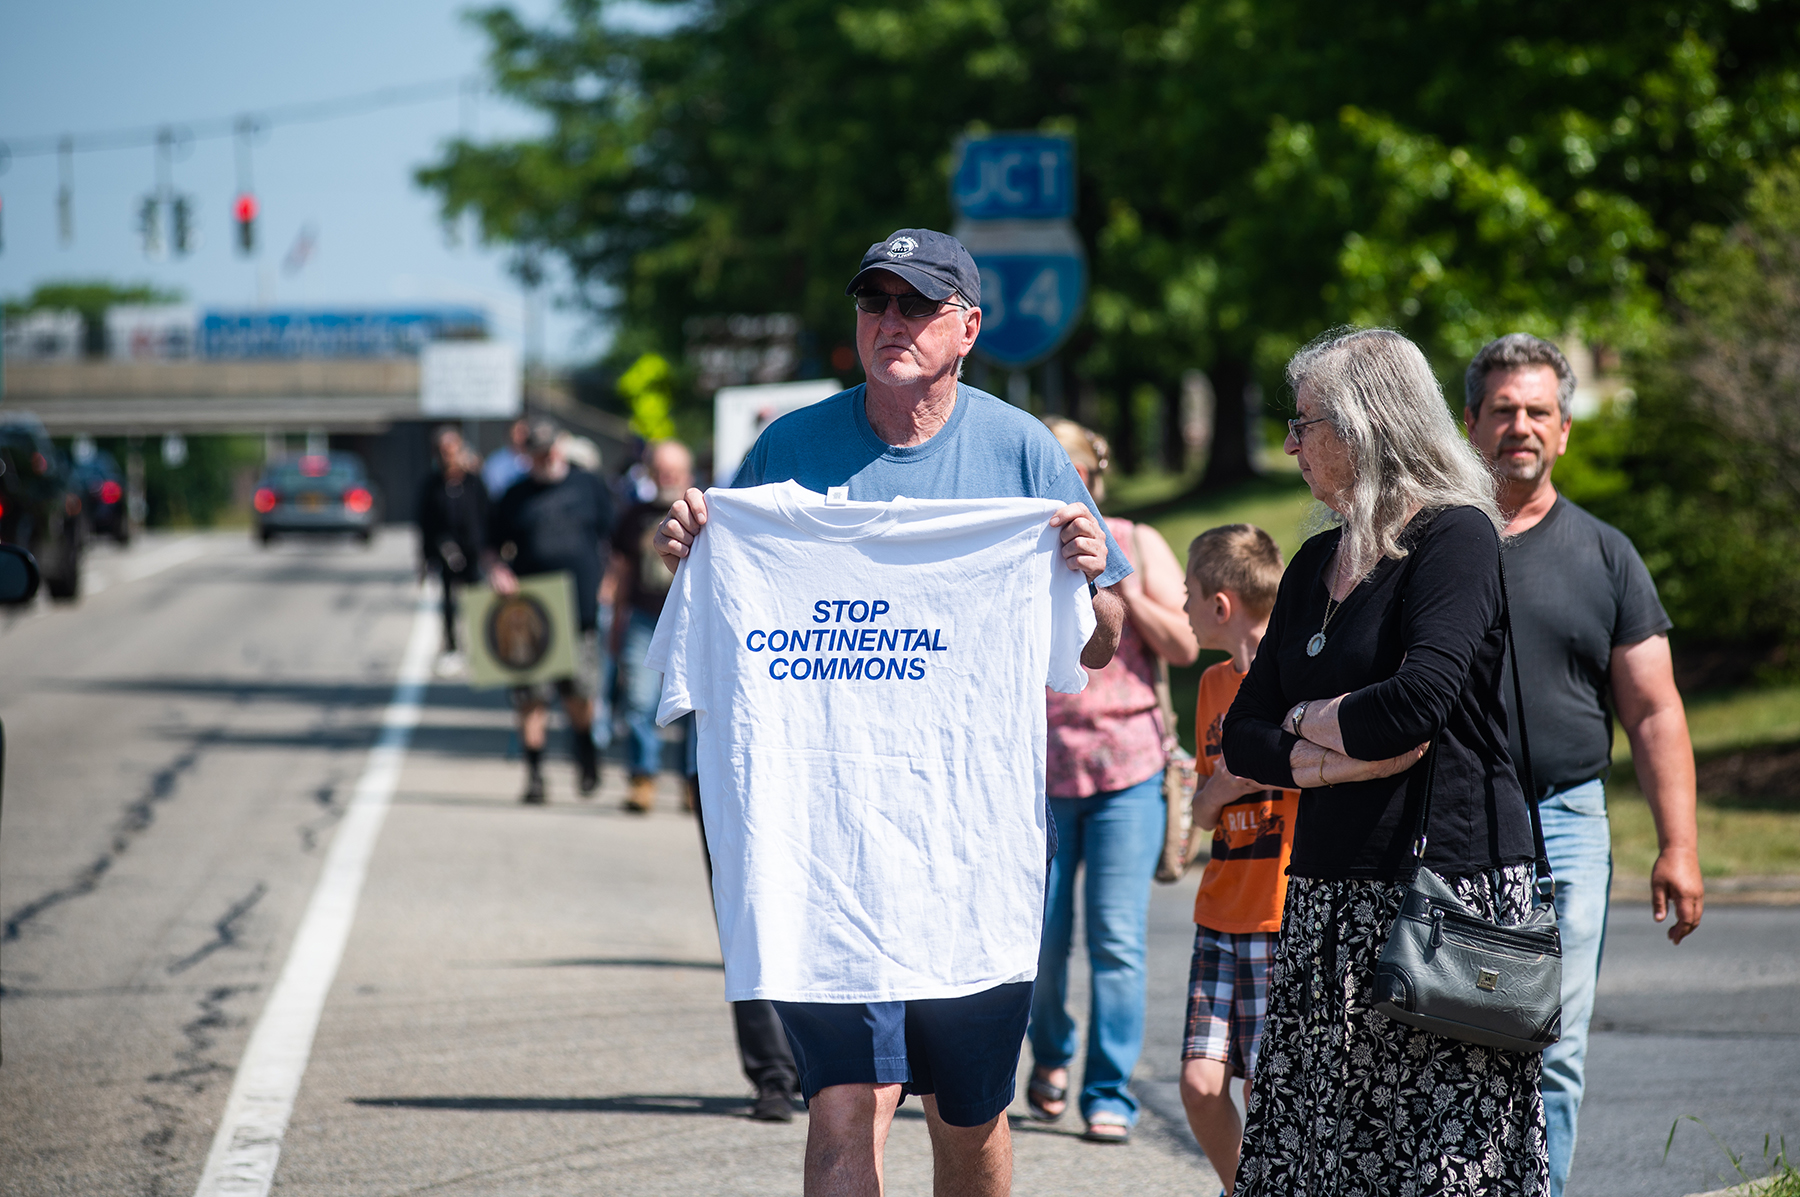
(370, 406)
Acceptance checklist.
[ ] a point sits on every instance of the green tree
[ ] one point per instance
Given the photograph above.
(1249, 173)
(1704, 473)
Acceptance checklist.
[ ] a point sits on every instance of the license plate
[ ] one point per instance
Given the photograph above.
(312, 502)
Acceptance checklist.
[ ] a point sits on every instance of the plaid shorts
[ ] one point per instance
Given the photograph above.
(1228, 994)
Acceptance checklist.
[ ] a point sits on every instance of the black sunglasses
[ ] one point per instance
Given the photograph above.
(912, 305)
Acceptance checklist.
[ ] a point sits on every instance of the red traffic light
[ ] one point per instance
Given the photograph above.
(245, 208)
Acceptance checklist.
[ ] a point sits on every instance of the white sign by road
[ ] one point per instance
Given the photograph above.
(470, 380)
(741, 413)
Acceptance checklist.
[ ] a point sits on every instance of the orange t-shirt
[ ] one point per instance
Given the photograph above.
(1245, 883)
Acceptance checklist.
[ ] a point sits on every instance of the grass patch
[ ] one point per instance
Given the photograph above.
(1747, 753)
(1277, 502)
(1734, 840)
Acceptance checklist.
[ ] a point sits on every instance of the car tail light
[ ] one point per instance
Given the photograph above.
(264, 500)
(72, 504)
(358, 500)
(111, 492)
(315, 465)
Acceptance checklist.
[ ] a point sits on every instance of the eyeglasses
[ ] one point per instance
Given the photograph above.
(1294, 427)
(912, 305)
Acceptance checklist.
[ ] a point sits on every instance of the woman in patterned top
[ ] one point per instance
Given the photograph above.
(1104, 778)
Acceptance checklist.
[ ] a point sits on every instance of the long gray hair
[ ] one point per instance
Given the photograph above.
(1380, 396)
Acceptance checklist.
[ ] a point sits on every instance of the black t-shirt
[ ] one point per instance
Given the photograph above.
(457, 514)
(1417, 647)
(555, 526)
(1579, 590)
(647, 579)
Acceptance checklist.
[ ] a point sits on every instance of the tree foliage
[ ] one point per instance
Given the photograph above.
(1249, 174)
(1704, 474)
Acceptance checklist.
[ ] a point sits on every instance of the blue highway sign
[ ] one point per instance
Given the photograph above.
(1014, 176)
(1033, 283)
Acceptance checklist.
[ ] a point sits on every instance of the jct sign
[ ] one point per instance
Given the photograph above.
(1015, 194)
(1014, 177)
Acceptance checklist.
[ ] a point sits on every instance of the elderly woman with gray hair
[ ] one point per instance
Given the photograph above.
(1386, 638)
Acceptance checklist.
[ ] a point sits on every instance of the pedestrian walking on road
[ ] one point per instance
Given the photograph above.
(1387, 639)
(555, 518)
(847, 889)
(510, 462)
(1233, 573)
(1104, 779)
(453, 516)
(1593, 644)
(637, 583)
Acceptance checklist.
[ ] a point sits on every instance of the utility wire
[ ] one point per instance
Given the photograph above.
(228, 126)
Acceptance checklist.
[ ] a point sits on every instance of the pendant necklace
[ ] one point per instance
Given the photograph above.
(1316, 645)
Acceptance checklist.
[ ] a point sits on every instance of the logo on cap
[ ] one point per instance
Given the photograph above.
(902, 247)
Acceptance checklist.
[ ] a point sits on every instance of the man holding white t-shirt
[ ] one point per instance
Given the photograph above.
(912, 430)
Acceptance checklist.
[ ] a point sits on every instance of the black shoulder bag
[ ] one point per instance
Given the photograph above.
(1446, 969)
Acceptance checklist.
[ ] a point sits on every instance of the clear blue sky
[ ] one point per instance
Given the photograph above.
(76, 66)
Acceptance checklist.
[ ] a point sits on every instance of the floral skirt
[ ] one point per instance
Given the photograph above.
(1346, 1102)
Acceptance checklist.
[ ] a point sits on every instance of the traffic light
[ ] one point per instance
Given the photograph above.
(183, 213)
(150, 226)
(245, 213)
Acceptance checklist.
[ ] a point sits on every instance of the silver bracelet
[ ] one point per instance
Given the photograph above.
(1300, 715)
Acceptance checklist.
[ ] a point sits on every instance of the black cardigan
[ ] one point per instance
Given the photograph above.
(1417, 646)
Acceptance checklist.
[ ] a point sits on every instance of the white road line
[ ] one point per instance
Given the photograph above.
(248, 1143)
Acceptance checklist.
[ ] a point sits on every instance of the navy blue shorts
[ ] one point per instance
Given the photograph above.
(964, 1051)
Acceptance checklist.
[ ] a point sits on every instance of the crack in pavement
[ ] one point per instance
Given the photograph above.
(326, 797)
(225, 930)
(193, 1076)
(199, 1032)
(137, 818)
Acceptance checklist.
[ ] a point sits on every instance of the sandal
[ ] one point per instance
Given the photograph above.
(1107, 1128)
(1040, 1093)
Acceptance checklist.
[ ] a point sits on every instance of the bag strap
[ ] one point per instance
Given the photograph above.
(1546, 883)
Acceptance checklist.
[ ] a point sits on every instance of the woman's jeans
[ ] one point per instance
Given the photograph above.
(642, 696)
(1579, 843)
(1115, 837)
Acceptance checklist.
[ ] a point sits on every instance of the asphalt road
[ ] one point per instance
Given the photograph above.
(530, 1000)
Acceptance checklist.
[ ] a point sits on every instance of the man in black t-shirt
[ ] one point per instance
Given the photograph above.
(556, 517)
(1592, 646)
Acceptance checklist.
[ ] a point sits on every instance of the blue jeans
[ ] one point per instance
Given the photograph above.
(1580, 845)
(641, 695)
(1118, 835)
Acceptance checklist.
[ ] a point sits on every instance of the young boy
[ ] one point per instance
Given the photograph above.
(1233, 572)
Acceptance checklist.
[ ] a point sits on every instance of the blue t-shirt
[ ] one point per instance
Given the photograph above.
(988, 449)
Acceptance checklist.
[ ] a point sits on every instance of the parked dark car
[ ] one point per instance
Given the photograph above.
(40, 508)
(102, 487)
(317, 492)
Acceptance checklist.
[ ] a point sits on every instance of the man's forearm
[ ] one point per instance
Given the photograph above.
(1109, 625)
(1664, 758)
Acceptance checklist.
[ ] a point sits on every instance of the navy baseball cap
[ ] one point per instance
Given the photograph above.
(935, 263)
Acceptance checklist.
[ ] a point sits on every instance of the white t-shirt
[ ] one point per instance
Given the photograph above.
(869, 681)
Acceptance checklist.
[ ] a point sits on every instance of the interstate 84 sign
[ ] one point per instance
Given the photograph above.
(1033, 282)
(1015, 193)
